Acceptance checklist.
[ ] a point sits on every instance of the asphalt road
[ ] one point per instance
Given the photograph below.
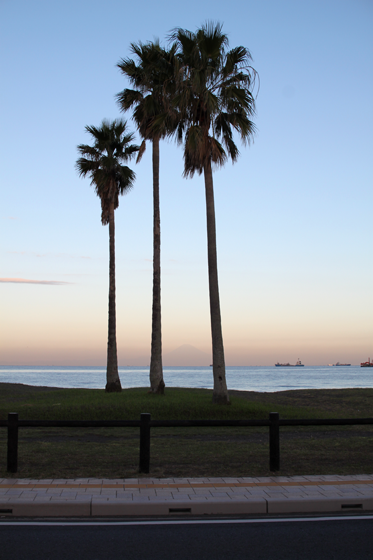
(313, 539)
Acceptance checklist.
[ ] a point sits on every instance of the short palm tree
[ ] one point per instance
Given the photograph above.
(151, 76)
(214, 99)
(103, 163)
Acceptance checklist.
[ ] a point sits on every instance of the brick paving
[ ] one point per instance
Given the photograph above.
(153, 496)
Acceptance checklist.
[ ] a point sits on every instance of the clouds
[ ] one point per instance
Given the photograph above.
(26, 281)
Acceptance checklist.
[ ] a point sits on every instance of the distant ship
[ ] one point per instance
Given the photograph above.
(298, 364)
(367, 364)
(338, 364)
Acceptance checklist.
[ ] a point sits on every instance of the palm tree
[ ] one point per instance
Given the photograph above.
(103, 163)
(151, 75)
(214, 98)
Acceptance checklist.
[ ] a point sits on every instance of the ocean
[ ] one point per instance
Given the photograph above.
(251, 378)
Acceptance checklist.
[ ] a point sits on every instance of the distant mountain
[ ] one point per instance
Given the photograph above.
(186, 355)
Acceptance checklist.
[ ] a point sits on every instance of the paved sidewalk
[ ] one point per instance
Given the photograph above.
(174, 496)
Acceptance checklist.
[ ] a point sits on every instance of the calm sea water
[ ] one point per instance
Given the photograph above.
(253, 378)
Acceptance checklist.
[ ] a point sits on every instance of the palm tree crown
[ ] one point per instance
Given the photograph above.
(151, 76)
(103, 163)
(214, 96)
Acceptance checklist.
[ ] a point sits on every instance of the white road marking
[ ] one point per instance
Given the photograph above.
(180, 521)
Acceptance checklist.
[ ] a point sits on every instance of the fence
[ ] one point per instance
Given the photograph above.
(146, 423)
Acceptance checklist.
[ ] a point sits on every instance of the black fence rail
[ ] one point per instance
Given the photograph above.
(146, 423)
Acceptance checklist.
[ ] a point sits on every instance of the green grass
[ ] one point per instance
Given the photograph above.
(95, 404)
(337, 403)
(101, 452)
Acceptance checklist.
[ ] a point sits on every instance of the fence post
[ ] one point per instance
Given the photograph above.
(144, 442)
(274, 441)
(12, 462)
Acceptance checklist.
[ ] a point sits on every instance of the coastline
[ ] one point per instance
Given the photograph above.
(257, 379)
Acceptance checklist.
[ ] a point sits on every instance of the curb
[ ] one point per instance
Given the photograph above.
(263, 506)
(318, 505)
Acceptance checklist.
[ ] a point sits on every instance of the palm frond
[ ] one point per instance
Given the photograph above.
(218, 155)
(128, 98)
(141, 151)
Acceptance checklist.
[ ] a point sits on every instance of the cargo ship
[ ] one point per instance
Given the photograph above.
(367, 364)
(298, 364)
(338, 364)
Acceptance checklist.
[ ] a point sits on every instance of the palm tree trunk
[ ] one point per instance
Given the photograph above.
(156, 371)
(220, 393)
(112, 376)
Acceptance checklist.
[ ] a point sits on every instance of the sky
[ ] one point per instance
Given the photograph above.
(294, 214)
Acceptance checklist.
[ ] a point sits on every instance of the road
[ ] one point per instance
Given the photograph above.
(347, 538)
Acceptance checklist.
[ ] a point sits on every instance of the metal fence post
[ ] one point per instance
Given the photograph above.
(12, 462)
(274, 441)
(144, 442)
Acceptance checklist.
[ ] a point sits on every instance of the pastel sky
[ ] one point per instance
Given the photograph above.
(294, 214)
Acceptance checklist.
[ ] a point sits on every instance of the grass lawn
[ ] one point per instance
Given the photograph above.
(180, 452)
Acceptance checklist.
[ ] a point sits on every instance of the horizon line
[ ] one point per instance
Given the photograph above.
(148, 366)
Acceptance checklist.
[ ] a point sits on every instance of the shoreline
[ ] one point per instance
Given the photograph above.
(234, 392)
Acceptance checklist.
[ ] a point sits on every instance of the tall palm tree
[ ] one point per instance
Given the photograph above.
(103, 162)
(151, 76)
(214, 98)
